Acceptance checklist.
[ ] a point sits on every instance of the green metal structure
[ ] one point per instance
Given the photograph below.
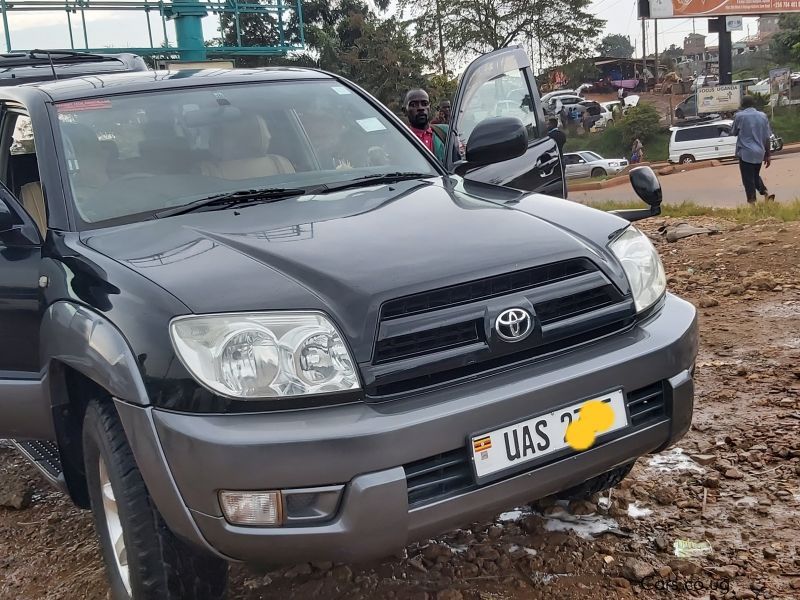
(187, 15)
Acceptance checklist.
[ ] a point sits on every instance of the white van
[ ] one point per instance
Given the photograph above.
(702, 141)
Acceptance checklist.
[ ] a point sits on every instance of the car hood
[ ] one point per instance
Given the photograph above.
(344, 253)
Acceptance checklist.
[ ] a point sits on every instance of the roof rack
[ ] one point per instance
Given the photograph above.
(698, 121)
(45, 57)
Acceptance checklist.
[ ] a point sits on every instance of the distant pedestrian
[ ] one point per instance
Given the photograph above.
(556, 134)
(620, 91)
(443, 113)
(564, 116)
(637, 151)
(752, 131)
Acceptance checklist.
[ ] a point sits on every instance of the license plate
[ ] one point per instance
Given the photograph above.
(534, 438)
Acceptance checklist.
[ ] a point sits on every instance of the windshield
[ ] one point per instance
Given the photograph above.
(131, 156)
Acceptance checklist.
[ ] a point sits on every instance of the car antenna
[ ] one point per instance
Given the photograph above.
(49, 58)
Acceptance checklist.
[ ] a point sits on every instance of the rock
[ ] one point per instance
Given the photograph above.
(488, 553)
(744, 594)
(762, 280)
(621, 582)
(582, 507)
(708, 302)
(323, 566)
(734, 473)
(449, 595)
(636, 570)
(416, 563)
(16, 495)
(433, 551)
(795, 584)
(495, 532)
(712, 481)
(684, 567)
(664, 495)
(704, 459)
(342, 573)
(661, 543)
(740, 249)
(736, 289)
(664, 571)
(297, 571)
(726, 571)
(770, 554)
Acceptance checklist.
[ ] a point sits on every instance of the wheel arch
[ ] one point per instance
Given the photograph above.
(86, 357)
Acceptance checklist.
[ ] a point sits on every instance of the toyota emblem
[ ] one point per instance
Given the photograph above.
(514, 324)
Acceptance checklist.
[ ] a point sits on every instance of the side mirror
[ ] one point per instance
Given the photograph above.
(494, 140)
(8, 219)
(647, 186)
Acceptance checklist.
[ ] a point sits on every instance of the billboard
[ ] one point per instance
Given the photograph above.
(664, 9)
(720, 98)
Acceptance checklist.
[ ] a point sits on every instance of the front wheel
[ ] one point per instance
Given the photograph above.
(143, 558)
(598, 172)
(687, 158)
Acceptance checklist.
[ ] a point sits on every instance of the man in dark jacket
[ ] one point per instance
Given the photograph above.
(556, 134)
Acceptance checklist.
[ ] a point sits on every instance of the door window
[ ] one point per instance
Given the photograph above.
(498, 89)
(21, 171)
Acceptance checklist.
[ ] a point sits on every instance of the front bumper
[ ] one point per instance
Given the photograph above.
(365, 447)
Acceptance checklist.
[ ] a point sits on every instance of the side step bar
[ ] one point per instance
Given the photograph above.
(45, 456)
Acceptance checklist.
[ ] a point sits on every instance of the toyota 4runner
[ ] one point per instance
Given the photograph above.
(248, 316)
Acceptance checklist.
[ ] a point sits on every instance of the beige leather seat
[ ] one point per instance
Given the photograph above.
(240, 151)
(33, 202)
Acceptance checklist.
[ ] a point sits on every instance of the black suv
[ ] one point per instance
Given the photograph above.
(248, 316)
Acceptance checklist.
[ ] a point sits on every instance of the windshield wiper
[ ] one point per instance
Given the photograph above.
(229, 199)
(368, 180)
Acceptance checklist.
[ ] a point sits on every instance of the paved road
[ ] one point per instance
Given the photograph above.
(714, 186)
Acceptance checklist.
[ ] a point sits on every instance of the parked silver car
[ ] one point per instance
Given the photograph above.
(591, 164)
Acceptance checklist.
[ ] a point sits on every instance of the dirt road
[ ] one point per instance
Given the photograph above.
(714, 186)
(732, 483)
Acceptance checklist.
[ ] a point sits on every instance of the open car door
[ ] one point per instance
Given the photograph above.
(501, 84)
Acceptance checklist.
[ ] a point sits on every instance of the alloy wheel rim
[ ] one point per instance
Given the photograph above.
(114, 527)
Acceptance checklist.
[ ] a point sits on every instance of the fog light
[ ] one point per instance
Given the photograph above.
(252, 508)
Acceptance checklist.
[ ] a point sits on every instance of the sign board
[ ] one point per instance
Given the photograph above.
(780, 87)
(664, 9)
(733, 24)
(719, 98)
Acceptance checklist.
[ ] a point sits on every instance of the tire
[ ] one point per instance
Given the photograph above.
(598, 484)
(159, 565)
(598, 172)
(686, 159)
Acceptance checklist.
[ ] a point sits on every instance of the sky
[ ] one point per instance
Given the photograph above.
(129, 29)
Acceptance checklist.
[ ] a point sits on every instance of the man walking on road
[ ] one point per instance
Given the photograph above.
(751, 128)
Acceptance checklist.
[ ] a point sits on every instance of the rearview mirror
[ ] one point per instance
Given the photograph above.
(647, 186)
(494, 140)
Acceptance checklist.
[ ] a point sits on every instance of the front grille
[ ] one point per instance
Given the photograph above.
(647, 404)
(483, 289)
(438, 477)
(574, 305)
(448, 334)
(430, 340)
(450, 473)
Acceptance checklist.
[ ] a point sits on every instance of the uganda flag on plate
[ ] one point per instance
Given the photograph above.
(482, 444)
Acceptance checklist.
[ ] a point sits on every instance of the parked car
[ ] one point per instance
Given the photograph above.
(591, 164)
(686, 108)
(17, 68)
(247, 315)
(606, 115)
(555, 103)
(706, 140)
(702, 141)
(762, 87)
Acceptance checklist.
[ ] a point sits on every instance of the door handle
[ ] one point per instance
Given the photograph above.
(546, 167)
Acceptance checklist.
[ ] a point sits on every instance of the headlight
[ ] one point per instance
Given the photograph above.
(264, 355)
(613, 164)
(642, 266)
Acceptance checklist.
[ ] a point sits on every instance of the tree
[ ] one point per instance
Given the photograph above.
(671, 55)
(642, 121)
(616, 45)
(564, 30)
(785, 45)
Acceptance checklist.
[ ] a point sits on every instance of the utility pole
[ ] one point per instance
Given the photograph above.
(655, 45)
(725, 53)
(644, 48)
